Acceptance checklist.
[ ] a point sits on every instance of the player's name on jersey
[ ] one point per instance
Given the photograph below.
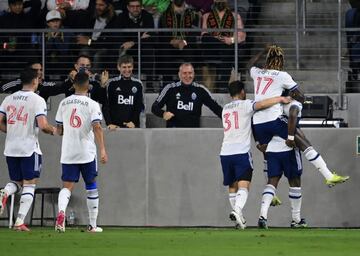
(232, 105)
(75, 101)
(268, 72)
(20, 97)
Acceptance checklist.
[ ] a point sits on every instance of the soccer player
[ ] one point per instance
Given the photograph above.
(21, 115)
(235, 153)
(78, 119)
(271, 81)
(297, 138)
(282, 159)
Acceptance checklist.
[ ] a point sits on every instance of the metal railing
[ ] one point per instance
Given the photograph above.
(313, 39)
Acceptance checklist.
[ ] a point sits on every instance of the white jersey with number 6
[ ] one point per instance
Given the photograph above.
(21, 109)
(270, 83)
(236, 120)
(77, 113)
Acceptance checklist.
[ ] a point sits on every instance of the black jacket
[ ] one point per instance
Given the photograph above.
(185, 102)
(125, 101)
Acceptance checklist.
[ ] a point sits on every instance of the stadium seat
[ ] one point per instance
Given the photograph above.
(53, 192)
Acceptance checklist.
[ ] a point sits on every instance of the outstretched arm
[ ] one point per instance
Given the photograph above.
(2, 122)
(270, 102)
(44, 125)
(255, 59)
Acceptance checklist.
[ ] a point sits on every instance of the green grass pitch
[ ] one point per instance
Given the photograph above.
(180, 241)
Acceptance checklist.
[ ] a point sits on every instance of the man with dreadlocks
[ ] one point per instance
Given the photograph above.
(177, 46)
(220, 45)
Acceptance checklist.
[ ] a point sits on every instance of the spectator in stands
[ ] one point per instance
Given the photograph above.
(160, 5)
(177, 46)
(220, 45)
(15, 46)
(137, 18)
(45, 88)
(125, 99)
(202, 6)
(67, 4)
(184, 100)
(57, 46)
(98, 44)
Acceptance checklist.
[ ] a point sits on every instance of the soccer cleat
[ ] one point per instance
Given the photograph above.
(3, 199)
(240, 222)
(275, 201)
(300, 224)
(336, 179)
(60, 222)
(91, 229)
(262, 223)
(21, 227)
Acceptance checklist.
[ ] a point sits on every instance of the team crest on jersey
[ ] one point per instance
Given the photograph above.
(178, 95)
(134, 89)
(118, 89)
(193, 96)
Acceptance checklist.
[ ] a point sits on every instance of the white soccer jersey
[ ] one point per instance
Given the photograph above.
(277, 144)
(286, 107)
(236, 120)
(77, 113)
(267, 84)
(21, 109)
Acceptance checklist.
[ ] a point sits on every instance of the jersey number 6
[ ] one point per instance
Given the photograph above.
(75, 121)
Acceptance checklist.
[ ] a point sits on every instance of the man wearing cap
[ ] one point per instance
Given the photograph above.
(14, 46)
(57, 46)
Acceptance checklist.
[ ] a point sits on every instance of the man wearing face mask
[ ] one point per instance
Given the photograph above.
(177, 46)
(220, 45)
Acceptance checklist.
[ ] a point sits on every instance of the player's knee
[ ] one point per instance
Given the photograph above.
(274, 181)
(91, 185)
(295, 182)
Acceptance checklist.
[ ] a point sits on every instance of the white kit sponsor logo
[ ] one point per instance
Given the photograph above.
(187, 107)
(126, 101)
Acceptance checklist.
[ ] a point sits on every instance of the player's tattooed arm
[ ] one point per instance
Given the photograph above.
(293, 114)
(298, 95)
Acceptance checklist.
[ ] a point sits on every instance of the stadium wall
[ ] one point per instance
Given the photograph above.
(172, 177)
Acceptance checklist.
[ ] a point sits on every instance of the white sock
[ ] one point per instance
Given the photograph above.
(26, 200)
(241, 197)
(315, 158)
(63, 199)
(93, 205)
(267, 197)
(232, 200)
(11, 188)
(295, 201)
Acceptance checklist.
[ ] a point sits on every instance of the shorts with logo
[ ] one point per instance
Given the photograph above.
(236, 167)
(71, 172)
(264, 132)
(288, 163)
(24, 168)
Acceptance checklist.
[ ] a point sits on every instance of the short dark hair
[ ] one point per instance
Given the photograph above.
(125, 59)
(81, 79)
(32, 61)
(83, 55)
(14, 1)
(27, 75)
(129, 1)
(236, 87)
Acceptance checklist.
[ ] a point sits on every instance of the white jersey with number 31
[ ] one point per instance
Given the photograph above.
(270, 83)
(77, 113)
(236, 120)
(21, 109)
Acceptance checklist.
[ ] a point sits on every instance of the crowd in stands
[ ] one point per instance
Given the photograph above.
(160, 53)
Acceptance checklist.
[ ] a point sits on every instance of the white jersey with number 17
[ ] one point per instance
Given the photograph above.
(236, 120)
(270, 83)
(77, 113)
(21, 110)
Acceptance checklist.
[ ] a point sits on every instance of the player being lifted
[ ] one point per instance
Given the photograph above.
(21, 115)
(235, 153)
(78, 119)
(266, 82)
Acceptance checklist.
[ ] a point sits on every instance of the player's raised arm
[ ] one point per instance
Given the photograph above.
(99, 137)
(270, 102)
